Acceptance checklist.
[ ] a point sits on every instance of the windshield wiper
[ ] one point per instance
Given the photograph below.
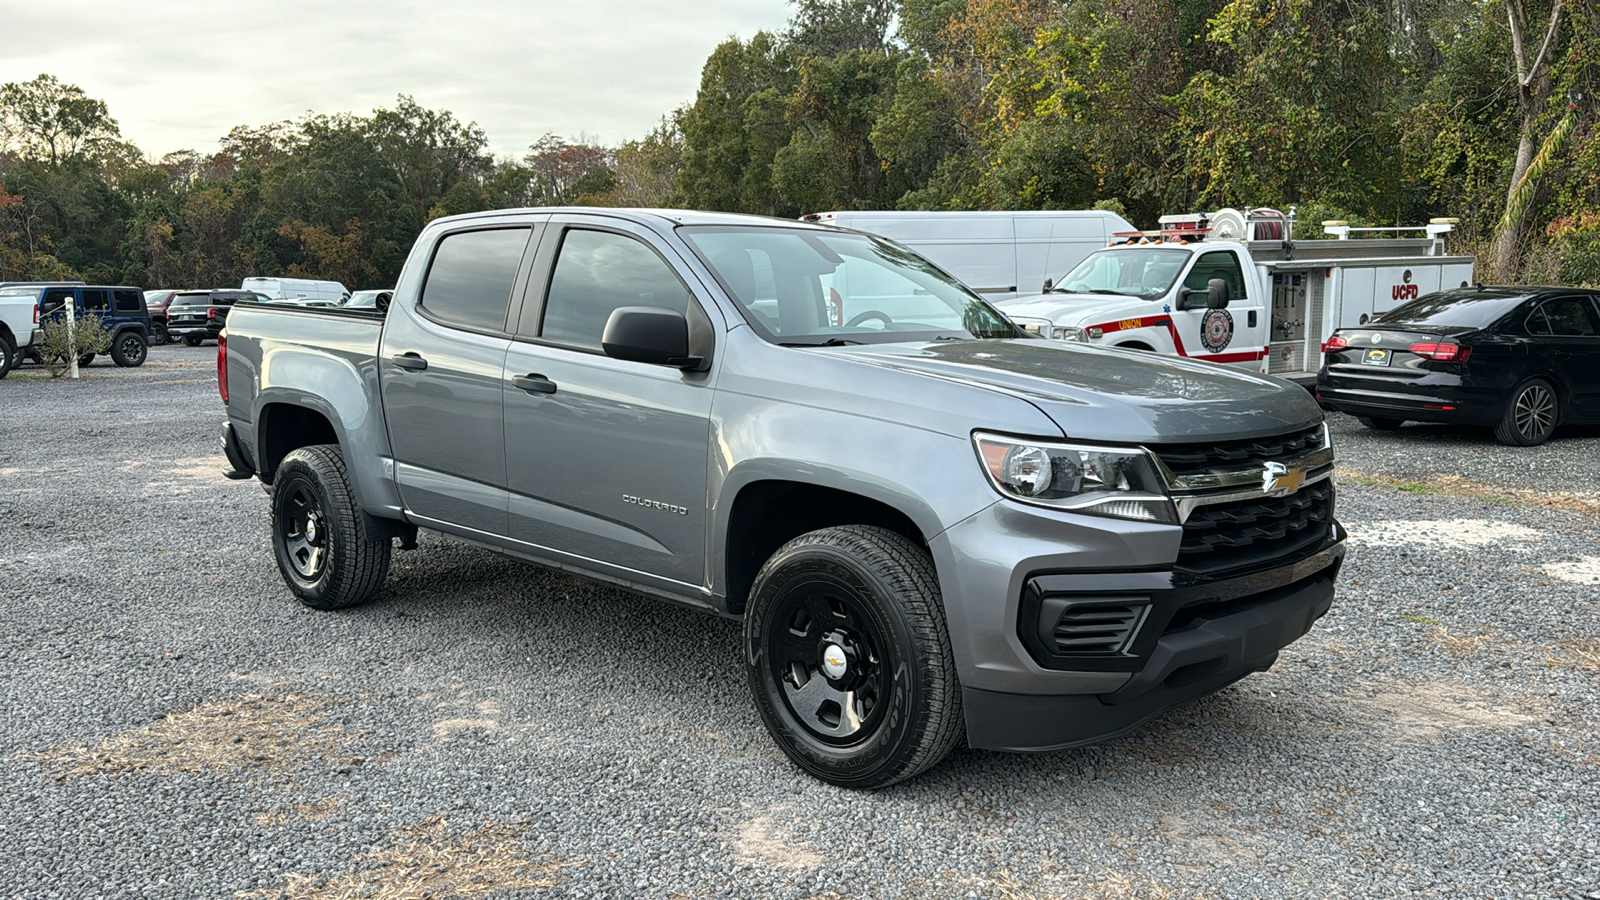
(830, 342)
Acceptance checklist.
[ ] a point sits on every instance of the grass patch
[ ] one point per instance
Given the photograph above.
(1416, 619)
(426, 862)
(1456, 486)
(252, 732)
(1581, 655)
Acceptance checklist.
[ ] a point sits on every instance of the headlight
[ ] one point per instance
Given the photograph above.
(1101, 481)
(1063, 333)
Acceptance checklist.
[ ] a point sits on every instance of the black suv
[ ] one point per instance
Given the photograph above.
(196, 316)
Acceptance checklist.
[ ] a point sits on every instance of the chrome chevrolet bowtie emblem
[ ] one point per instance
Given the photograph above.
(1277, 478)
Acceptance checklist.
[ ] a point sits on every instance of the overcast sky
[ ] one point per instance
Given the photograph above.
(179, 74)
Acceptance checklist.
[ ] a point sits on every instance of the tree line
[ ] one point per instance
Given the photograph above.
(1374, 111)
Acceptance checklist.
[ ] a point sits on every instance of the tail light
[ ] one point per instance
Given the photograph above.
(1443, 351)
(222, 365)
(211, 313)
(1335, 344)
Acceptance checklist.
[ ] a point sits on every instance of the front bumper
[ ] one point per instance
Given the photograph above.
(1196, 635)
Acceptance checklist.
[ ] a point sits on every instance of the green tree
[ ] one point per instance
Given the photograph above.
(50, 121)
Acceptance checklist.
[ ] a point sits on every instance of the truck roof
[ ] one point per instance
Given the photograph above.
(651, 217)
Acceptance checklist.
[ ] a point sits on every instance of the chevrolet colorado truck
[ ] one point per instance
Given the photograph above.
(934, 526)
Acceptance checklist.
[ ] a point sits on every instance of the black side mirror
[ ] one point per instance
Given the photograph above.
(381, 302)
(648, 334)
(1216, 294)
(1048, 284)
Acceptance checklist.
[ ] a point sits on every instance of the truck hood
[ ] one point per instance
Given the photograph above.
(1078, 309)
(1105, 394)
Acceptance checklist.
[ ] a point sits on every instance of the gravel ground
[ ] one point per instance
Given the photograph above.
(175, 725)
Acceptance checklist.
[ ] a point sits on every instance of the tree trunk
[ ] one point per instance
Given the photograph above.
(1533, 88)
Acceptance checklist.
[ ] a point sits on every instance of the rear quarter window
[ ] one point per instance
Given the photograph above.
(128, 301)
(470, 279)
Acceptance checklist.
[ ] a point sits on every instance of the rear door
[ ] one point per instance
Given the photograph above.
(606, 459)
(440, 366)
(1566, 332)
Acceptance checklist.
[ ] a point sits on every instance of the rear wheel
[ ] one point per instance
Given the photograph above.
(326, 554)
(129, 349)
(849, 658)
(1531, 416)
(8, 354)
(192, 340)
(1378, 423)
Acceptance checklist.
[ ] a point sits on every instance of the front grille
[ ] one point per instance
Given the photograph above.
(1222, 456)
(1097, 628)
(1248, 532)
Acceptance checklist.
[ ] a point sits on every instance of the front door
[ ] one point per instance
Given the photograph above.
(606, 460)
(1218, 335)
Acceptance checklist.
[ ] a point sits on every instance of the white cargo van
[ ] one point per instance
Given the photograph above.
(996, 253)
(297, 289)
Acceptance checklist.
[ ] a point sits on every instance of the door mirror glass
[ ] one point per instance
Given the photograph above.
(1048, 284)
(648, 334)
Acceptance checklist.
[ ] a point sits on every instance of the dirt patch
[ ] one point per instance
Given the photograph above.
(1583, 570)
(426, 862)
(1458, 534)
(1202, 848)
(1586, 502)
(178, 475)
(763, 842)
(315, 811)
(267, 734)
(1581, 655)
(1432, 711)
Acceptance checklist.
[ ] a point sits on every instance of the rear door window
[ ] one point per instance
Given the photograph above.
(1564, 317)
(127, 301)
(598, 272)
(469, 282)
(97, 300)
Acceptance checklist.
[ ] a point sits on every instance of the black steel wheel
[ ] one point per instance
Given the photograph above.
(325, 553)
(159, 335)
(1531, 416)
(849, 659)
(192, 340)
(1377, 423)
(129, 349)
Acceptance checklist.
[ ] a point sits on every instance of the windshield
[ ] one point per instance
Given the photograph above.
(1144, 272)
(1471, 308)
(811, 288)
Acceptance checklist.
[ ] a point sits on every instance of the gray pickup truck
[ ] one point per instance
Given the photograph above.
(934, 526)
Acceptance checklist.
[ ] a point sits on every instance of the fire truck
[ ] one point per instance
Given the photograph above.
(1235, 287)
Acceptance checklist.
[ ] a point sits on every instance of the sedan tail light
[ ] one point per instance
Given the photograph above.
(1443, 351)
(1335, 344)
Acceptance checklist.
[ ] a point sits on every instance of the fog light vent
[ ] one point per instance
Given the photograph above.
(1090, 628)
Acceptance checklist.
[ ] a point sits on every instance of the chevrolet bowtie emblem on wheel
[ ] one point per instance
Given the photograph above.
(1279, 479)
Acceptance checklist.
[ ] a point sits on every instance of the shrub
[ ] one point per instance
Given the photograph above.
(59, 345)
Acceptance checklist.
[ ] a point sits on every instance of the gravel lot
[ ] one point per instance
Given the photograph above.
(175, 725)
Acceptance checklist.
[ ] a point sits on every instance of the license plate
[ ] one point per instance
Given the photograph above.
(1376, 358)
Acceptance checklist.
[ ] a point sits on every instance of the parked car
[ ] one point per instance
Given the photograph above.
(121, 309)
(1522, 360)
(156, 302)
(198, 316)
(936, 528)
(297, 289)
(378, 300)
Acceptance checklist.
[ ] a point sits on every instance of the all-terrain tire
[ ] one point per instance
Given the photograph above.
(129, 349)
(888, 704)
(327, 556)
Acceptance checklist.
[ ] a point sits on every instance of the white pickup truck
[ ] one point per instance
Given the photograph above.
(1214, 288)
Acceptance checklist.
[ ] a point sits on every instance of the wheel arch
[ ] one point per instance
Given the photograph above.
(766, 513)
(1135, 345)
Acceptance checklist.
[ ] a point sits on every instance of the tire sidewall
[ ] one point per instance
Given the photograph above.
(121, 345)
(866, 761)
(292, 472)
(1509, 424)
(8, 356)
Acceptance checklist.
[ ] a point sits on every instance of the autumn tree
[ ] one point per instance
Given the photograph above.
(45, 119)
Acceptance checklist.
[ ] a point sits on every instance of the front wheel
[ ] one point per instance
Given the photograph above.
(849, 658)
(324, 550)
(159, 335)
(1531, 416)
(85, 359)
(129, 349)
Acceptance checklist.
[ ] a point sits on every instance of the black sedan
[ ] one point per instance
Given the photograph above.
(1522, 360)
